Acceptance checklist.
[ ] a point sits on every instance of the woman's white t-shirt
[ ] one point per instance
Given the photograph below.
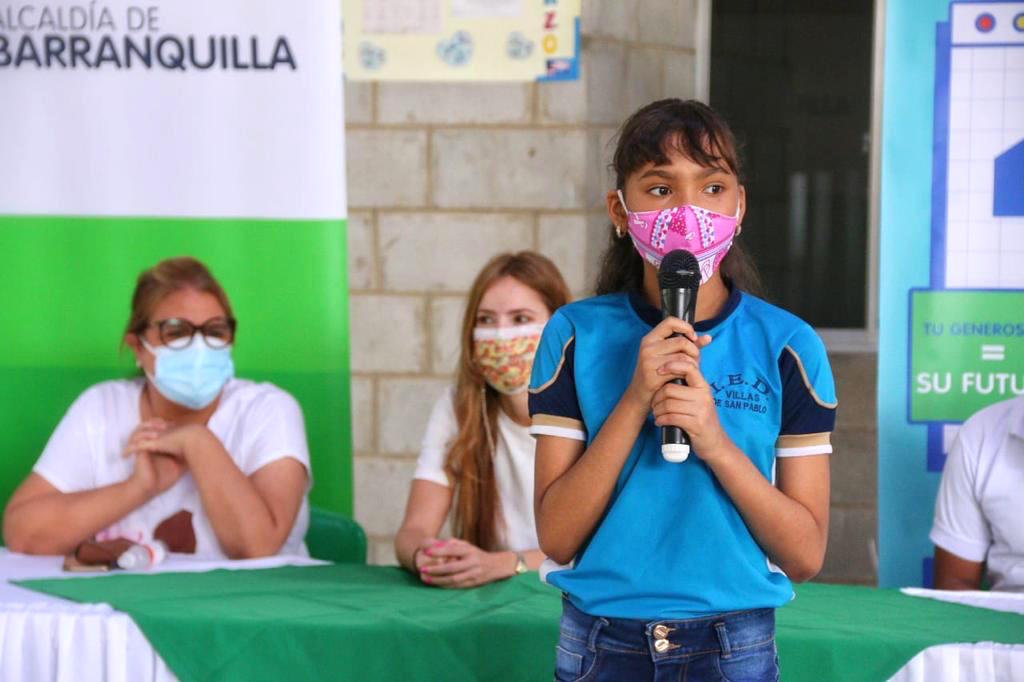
(513, 469)
(257, 423)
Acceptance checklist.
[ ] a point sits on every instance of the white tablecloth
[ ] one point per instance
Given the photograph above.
(45, 638)
(979, 662)
(983, 662)
(1011, 602)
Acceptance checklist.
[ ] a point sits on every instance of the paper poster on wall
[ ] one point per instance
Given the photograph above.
(485, 9)
(561, 40)
(461, 40)
(184, 127)
(963, 312)
(402, 16)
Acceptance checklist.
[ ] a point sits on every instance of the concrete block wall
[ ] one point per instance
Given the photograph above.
(853, 522)
(442, 176)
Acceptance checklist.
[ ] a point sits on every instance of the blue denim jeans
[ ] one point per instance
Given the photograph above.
(729, 646)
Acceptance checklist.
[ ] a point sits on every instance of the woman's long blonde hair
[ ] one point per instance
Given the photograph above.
(470, 463)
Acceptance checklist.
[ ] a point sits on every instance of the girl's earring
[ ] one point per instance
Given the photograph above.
(137, 363)
(619, 232)
(739, 229)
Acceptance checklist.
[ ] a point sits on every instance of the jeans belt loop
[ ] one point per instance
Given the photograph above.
(723, 639)
(595, 630)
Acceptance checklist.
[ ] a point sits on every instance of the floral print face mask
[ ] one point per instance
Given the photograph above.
(505, 355)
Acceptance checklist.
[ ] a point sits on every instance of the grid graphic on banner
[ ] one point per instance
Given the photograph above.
(985, 162)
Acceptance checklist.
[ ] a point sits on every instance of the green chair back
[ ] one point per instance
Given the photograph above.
(333, 537)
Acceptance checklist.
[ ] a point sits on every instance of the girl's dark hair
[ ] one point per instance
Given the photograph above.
(696, 131)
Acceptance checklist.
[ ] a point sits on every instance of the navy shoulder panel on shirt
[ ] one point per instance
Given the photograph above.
(554, 401)
(554, 408)
(808, 389)
(802, 412)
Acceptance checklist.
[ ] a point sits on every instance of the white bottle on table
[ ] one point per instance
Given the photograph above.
(143, 555)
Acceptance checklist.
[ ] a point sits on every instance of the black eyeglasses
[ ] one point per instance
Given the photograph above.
(176, 333)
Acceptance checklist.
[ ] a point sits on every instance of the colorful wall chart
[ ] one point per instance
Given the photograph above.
(952, 279)
(461, 40)
(560, 40)
(135, 133)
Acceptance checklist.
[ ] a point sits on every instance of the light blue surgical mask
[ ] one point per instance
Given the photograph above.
(192, 376)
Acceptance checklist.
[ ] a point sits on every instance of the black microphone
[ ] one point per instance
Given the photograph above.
(678, 279)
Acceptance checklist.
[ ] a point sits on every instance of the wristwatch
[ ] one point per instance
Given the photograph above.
(521, 566)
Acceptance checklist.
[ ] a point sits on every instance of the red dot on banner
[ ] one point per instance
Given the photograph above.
(985, 22)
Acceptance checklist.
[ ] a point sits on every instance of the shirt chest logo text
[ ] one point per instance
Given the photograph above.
(739, 392)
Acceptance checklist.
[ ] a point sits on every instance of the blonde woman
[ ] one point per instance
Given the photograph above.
(477, 457)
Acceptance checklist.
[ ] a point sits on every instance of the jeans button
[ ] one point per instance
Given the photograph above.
(661, 631)
(661, 645)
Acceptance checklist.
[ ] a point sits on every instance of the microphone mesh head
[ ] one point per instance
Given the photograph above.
(679, 270)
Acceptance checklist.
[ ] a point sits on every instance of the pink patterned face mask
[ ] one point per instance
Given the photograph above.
(705, 234)
(505, 355)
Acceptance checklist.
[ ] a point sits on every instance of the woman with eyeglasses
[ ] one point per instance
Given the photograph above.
(186, 453)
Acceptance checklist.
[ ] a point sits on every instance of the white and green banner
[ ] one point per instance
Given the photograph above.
(139, 131)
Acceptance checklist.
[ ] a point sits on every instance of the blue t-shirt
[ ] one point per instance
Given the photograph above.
(672, 543)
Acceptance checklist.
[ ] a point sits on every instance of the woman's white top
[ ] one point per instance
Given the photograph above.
(257, 423)
(513, 469)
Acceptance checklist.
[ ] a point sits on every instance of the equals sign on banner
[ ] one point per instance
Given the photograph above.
(993, 352)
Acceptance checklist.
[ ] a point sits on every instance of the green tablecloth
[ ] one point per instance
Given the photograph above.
(350, 622)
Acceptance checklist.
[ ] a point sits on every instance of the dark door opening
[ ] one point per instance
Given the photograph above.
(793, 78)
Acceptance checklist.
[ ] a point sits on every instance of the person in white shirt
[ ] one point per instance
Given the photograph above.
(477, 456)
(979, 525)
(186, 453)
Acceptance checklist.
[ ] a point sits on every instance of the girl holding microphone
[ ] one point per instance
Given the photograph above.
(673, 570)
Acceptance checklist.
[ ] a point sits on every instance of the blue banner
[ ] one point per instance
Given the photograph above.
(952, 240)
